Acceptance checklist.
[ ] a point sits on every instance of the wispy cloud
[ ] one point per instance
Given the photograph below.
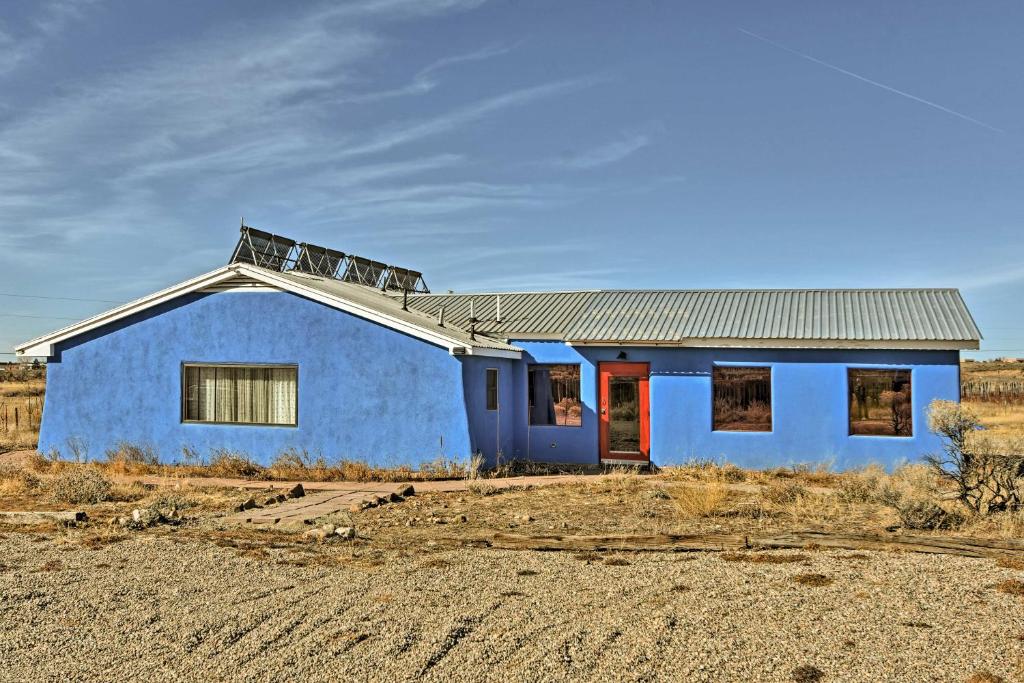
(52, 20)
(865, 79)
(605, 154)
(425, 80)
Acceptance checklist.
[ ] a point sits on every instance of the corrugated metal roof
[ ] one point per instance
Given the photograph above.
(677, 316)
(374, 299)
(522, 313)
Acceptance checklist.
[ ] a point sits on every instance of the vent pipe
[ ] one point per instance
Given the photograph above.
(440, 317)
(497, 308)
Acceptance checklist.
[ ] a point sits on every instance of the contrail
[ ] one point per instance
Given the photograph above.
(883, 86)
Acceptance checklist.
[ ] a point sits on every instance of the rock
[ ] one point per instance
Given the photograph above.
(296, 491)
(405, 491)
(316, 535)
(346, 532)
(565, 525)
(144, 517)
(281, 498)
(123, 521)
(437, 520)
(380, 500)
(249, 504)
(395, 498)
(328, 528)
(523, 518)
(461, 519)
(270, 501)
(356, 507)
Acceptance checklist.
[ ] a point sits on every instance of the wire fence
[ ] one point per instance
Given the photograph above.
(1005, 391)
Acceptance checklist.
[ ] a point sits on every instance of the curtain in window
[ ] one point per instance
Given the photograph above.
(239, 394)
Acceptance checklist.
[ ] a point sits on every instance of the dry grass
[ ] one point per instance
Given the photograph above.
(704, 500)
(80, 486)
(764, 558)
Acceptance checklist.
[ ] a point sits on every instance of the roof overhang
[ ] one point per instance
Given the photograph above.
(724, 342)
(44, 346)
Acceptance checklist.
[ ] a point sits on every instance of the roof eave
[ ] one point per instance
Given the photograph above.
(719, 342)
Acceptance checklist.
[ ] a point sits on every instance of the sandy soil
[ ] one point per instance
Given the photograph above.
(164, 605)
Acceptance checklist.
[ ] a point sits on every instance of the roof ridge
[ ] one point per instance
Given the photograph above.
(424, 295)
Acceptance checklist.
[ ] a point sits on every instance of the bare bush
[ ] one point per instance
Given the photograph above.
(228, 463)
(985, 476)
(80, 486)
(127, 453)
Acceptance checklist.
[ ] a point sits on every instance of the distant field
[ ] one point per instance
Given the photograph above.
(21, 406)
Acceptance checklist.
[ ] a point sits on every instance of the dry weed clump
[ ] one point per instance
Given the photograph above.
(812, 579)
(1011, 587)
(764, 558)
(705, 500)
(131, 458)
(80, 486)
(233, 464)
(807, 674)
(1010, 563)
(985, 677)
(783, 492)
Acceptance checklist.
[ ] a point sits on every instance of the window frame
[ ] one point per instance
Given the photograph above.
(848, 406)
(529, 397)
(771, 400)
(272, 366)
(487, 389)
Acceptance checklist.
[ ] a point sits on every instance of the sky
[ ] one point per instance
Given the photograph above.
(515, 145)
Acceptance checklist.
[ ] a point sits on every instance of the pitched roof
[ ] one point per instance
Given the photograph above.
(366, 302)
(861, 318)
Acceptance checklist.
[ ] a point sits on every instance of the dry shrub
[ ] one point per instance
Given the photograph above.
(764, 558)
(1011, 587)
(131, 458)
(864, 485)
(986, 472)
(1010, 562)
(616, 561)
(80, 486)
(51, 566)
(705, 500)
(298, 464)
(812, 579)
(233, 464)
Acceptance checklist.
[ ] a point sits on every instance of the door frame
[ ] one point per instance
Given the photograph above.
(605, 371)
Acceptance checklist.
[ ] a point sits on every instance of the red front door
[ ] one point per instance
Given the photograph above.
(624, 408)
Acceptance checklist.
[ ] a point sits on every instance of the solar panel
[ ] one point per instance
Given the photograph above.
(404, 279)
(363, 271)
(274, 252)
(318, 260)
(262, 249)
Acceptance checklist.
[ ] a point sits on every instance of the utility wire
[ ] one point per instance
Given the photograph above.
(38, 317)
(62, 298)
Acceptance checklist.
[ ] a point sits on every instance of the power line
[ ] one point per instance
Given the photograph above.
(38, 317)
(62, 298)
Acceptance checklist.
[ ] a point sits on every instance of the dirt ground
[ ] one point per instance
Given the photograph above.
(170, 606)
(209, 600)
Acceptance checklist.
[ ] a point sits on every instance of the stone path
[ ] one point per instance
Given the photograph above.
(314, 505)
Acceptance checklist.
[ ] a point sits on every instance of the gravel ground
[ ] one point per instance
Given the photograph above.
(166, 607)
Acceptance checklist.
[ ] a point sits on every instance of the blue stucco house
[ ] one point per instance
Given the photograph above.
(263, 355)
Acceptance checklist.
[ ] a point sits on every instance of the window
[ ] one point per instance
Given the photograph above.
(880, 402)
(554, 392)
(240, 394)
(492, 388)
(742, 399)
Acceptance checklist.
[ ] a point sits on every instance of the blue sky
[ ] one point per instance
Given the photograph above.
(515, 145)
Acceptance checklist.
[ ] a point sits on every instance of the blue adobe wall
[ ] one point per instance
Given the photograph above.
(491, 432)
(809, 406)
(366, 392)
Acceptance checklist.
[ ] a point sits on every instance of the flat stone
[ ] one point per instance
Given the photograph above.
(405, 490)
(296, 491)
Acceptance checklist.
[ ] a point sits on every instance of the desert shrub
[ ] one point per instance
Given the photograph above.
(294, 463)
(987, 475)
(865, 485)
(705, 500)
(15, 479)
(228, 463)
(127, 453)
(80, 486)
